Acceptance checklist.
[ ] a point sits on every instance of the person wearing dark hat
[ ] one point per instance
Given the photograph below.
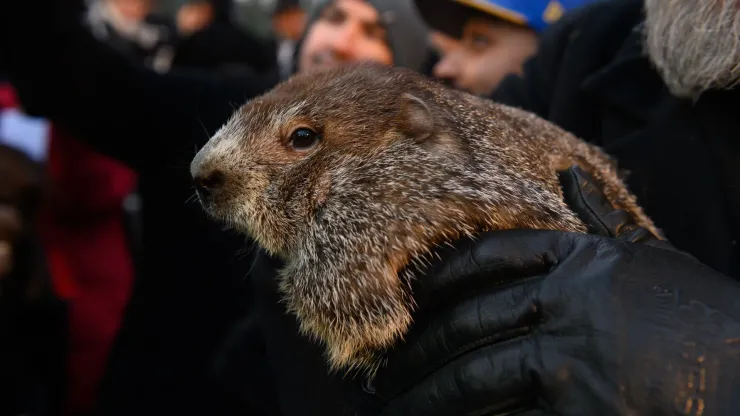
(132, 27)
(288, 23)
(191, 289)
(495, 37)
(211, 40)
(386, 31)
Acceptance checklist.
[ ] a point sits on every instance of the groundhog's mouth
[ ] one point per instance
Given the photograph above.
(212, 206)
(204, 201)
(221, 212)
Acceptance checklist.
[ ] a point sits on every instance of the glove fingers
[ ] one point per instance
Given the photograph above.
(503, 385)
(495, 259)
(584, 196)
(470, 325)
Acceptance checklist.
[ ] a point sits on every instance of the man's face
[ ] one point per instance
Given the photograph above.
(347, 31)
(442, 43)
(135, 10)
(694, 44)
(194, 17)
(487, 52)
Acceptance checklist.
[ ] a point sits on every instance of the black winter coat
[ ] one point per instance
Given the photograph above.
(682, 158)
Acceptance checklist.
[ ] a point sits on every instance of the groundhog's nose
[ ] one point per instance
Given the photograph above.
(207, 184)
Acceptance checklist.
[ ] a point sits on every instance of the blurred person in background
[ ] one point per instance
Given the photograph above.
(82, 229)
(288, 24)
(33, 321)
(131, 27)
(210, 40)
(495, 37)
(194, 16)
(443, 43)
(192, 291)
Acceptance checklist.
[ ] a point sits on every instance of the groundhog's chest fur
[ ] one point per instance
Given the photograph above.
(395, 165)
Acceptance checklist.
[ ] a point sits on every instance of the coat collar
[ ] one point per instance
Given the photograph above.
(628, 83)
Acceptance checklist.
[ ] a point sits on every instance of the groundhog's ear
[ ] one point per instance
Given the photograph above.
(417, 120)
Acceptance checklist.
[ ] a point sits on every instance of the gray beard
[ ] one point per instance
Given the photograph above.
(694, 44)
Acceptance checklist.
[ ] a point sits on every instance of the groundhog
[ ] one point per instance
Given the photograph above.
(353, 175)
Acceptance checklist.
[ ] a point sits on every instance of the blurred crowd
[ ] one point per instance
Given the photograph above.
(117, 294)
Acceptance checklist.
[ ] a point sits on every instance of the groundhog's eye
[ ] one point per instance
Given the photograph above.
(304, 139)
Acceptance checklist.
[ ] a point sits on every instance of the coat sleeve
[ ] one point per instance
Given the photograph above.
(142, 118)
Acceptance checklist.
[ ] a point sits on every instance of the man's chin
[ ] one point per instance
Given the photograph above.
(331, 64)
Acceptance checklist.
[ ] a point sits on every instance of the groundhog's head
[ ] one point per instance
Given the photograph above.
(267, 171)
(354, 175)
(343, 174)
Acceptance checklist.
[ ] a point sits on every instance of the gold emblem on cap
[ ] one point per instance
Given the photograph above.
(553, 11)
(495, 10)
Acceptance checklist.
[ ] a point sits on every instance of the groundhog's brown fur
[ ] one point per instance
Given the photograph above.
(403, 165)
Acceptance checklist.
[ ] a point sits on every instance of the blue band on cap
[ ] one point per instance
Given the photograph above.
(537, 14)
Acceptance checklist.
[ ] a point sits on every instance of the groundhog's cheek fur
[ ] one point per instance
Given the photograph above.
(243, 202)
(355, 315)
(241, 199)
(262, 215)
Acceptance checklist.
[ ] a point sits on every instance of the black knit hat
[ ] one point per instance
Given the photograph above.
(283, 5)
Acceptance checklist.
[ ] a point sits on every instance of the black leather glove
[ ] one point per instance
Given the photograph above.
(543, 322)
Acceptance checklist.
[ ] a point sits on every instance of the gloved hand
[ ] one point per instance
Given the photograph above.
(543, 322)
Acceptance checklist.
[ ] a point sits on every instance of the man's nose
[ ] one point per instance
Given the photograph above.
(447, 69)
(344, 43)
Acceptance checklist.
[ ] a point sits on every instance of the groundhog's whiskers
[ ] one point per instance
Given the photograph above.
(191, 198)
(254, 261)
(248, 248)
